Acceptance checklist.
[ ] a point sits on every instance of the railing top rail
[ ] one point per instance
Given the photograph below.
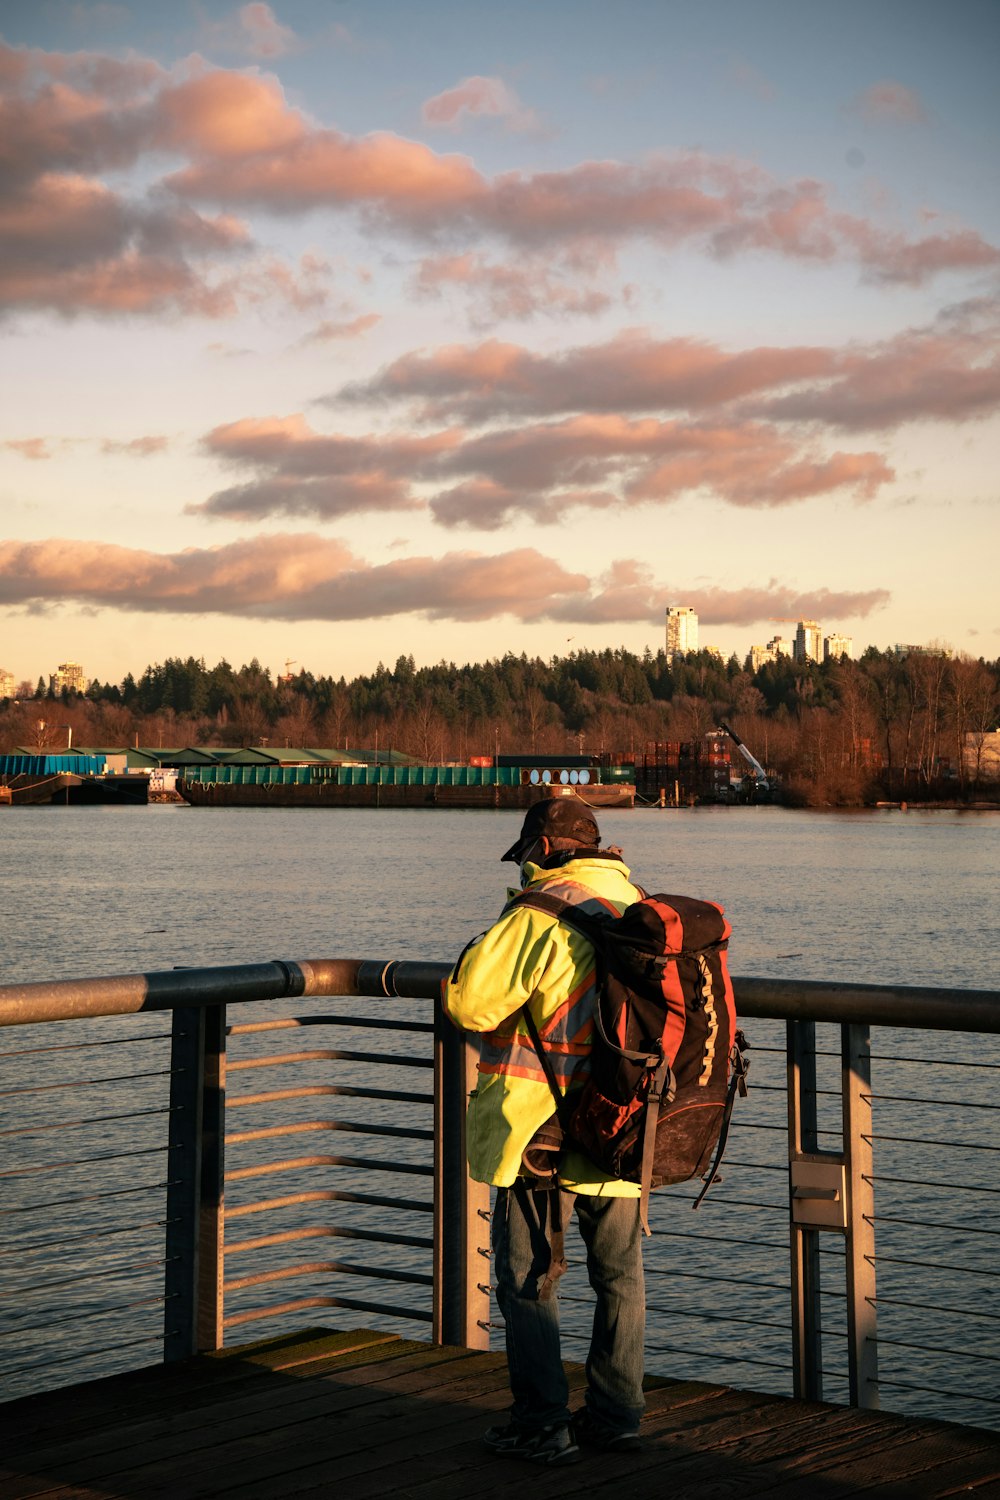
(923, 1007)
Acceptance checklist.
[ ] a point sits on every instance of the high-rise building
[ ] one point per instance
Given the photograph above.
(7, 684)
(836, 646)
(69, 675)
(760, 655)
(682, 630)
(808, 641)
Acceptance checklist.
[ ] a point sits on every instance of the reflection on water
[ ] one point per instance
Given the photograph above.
(881, 898)
(885, 897)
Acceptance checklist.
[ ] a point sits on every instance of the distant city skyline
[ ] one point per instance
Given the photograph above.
(335, 333)
(832, 644)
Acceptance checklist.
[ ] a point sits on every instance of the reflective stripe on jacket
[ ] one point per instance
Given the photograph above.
(528, 958)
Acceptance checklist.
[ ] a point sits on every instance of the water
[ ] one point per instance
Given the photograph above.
(883, 897)
(887, 897)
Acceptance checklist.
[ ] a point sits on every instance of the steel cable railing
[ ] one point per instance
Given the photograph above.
(356, 1077)
(81, 1256)
(719, 1284)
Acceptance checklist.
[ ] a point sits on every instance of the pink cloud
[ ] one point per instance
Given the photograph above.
(247, 146)
(140, 447)
(254, 31)
(889, 100)
(349, 328)
(549, 469)
(303, 577)
(478, 96)
(541, 470)
(509, 290)
(627, 592)
(282, 577)
(69, 242)
(72, 245)
(630, 372)
(36, 448)
(242, 146)
(303, 473)
(949, 372)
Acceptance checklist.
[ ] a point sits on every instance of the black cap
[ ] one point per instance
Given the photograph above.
(556, 818)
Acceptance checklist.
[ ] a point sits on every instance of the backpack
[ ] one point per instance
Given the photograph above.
(667, 1058)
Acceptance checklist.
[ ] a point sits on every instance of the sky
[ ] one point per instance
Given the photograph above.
(335, 330)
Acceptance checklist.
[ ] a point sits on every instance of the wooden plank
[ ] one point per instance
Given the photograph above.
(117, 1398)
(142, 1464)
(217, 1425)
(371, 1416)
(229, 1410)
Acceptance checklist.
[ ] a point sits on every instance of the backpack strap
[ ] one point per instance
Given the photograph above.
(562, 1109)
(563, 911)
(738, 1081)
(662, 1085)
(662, 1082)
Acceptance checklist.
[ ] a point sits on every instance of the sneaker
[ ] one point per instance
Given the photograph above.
(554, 1444)
(593, 1433)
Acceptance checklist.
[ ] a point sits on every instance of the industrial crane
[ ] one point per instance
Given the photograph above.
(760, 775)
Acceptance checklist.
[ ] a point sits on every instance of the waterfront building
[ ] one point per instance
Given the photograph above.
(808, 641)
(836, 646)
(69, 675)
(7, 684)
(682, 630)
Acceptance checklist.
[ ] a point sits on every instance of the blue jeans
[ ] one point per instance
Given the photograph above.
(612, 1234)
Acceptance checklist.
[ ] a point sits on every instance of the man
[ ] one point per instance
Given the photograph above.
(529, 959)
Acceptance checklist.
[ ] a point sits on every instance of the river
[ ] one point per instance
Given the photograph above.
(878, 897)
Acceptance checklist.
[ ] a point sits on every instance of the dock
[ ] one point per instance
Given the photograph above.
(364, 1414)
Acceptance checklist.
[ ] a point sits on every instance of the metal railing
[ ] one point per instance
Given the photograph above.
(809, 1134)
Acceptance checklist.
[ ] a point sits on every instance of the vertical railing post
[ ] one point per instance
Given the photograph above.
(461, 1206)
(861, 1306)
(193, 1241)
(803, 1143)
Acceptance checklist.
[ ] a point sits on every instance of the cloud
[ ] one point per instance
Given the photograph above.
(300, 472)
(253, 31)
(249, 148)
(478, 97)
(889, 100)
(541, 470)
(349, 328)
(140, 447)
(627, 592)
(245, 145)
(945, 373)
(745, 76)
(630, 372)
(546, 470)
(67, 119)
(304, 577)
(72, 244)
(949, 371)
(35, 448)
(284, 577)
(517, 289)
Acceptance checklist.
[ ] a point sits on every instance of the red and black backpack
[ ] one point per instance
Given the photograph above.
(667, 1056)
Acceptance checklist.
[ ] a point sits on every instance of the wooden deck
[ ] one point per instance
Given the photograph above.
(359, 1414)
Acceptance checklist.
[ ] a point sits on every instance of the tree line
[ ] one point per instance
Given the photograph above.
(842, 732)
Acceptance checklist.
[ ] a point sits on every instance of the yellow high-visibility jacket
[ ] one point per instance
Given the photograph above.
(528, 958)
